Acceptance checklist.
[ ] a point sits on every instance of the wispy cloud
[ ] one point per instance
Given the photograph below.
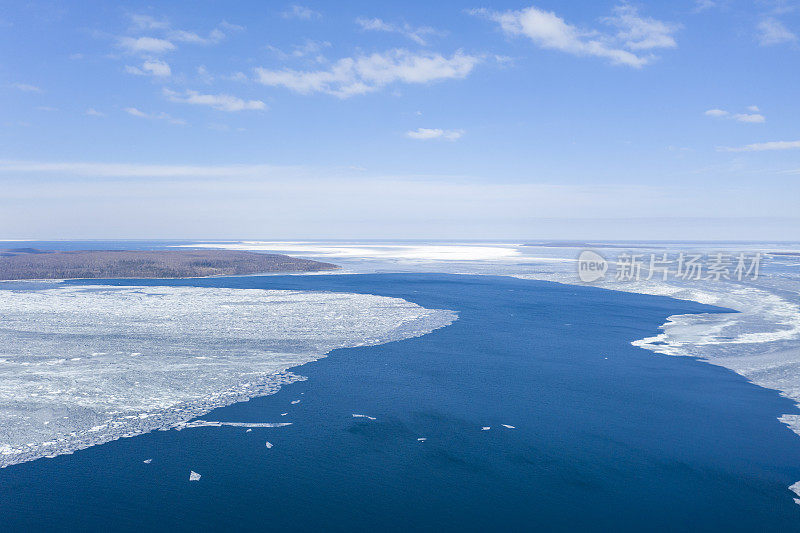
(25, 87)
(150, 45)
(221, 102)
(763, 147)
(92, 112)
(167, 35)
(427, 134)
(417, 34)
(300, 12)
(753, 117)
(634, 34)
(147, 22)
(151, 67)
(154, 116)
(363, 74)
(309, 49)
(772, 31)
(703, 5)
(133, 170)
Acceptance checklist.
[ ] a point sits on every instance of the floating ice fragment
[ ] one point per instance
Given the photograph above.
(248, 430)
(269, 444)
(284, 414)
(363, 416)
(508, 426)
(295, 402)
(215, 424)
(194, 476)
(422, 439)
(486, 428)
(796, 489)
(147, 461)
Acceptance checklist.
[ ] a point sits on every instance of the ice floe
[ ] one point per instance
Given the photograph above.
(364, 416)
(508, 426)
(214, 424)
(796, 489)
(194, 476)
(269, 444)
(69, 379)
(147, 461)
(486, 428)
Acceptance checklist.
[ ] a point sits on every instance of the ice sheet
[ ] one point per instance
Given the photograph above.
(85, 365)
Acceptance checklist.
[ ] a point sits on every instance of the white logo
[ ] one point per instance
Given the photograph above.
(591, 266)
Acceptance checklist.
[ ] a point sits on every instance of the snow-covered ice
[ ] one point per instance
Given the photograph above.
(364, 416)
(68, 379)
(194, 476)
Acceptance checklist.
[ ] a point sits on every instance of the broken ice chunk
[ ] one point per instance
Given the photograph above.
(194, 476)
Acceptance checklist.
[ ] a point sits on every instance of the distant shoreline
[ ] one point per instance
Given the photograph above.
(31, 264)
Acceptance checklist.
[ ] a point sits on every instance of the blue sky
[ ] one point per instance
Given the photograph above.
(406, 120)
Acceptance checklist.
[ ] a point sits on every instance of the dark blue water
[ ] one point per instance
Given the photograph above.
(633, 442)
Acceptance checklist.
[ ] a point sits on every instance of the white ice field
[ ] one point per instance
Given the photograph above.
(83, 365)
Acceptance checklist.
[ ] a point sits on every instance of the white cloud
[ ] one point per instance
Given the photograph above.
(168, 36)
(149, 45)
(762, 147)
(772, 31)
(418, 34)
(300, 12)
(753, 108)
(641, 33)
(702, 5)
(154, 116)
(92, 112)
(364, 74)
(182, 36)
(27, 87)
(548, 30)
(222, 102)
(151, 67)
(753, 117)
(425, 134)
